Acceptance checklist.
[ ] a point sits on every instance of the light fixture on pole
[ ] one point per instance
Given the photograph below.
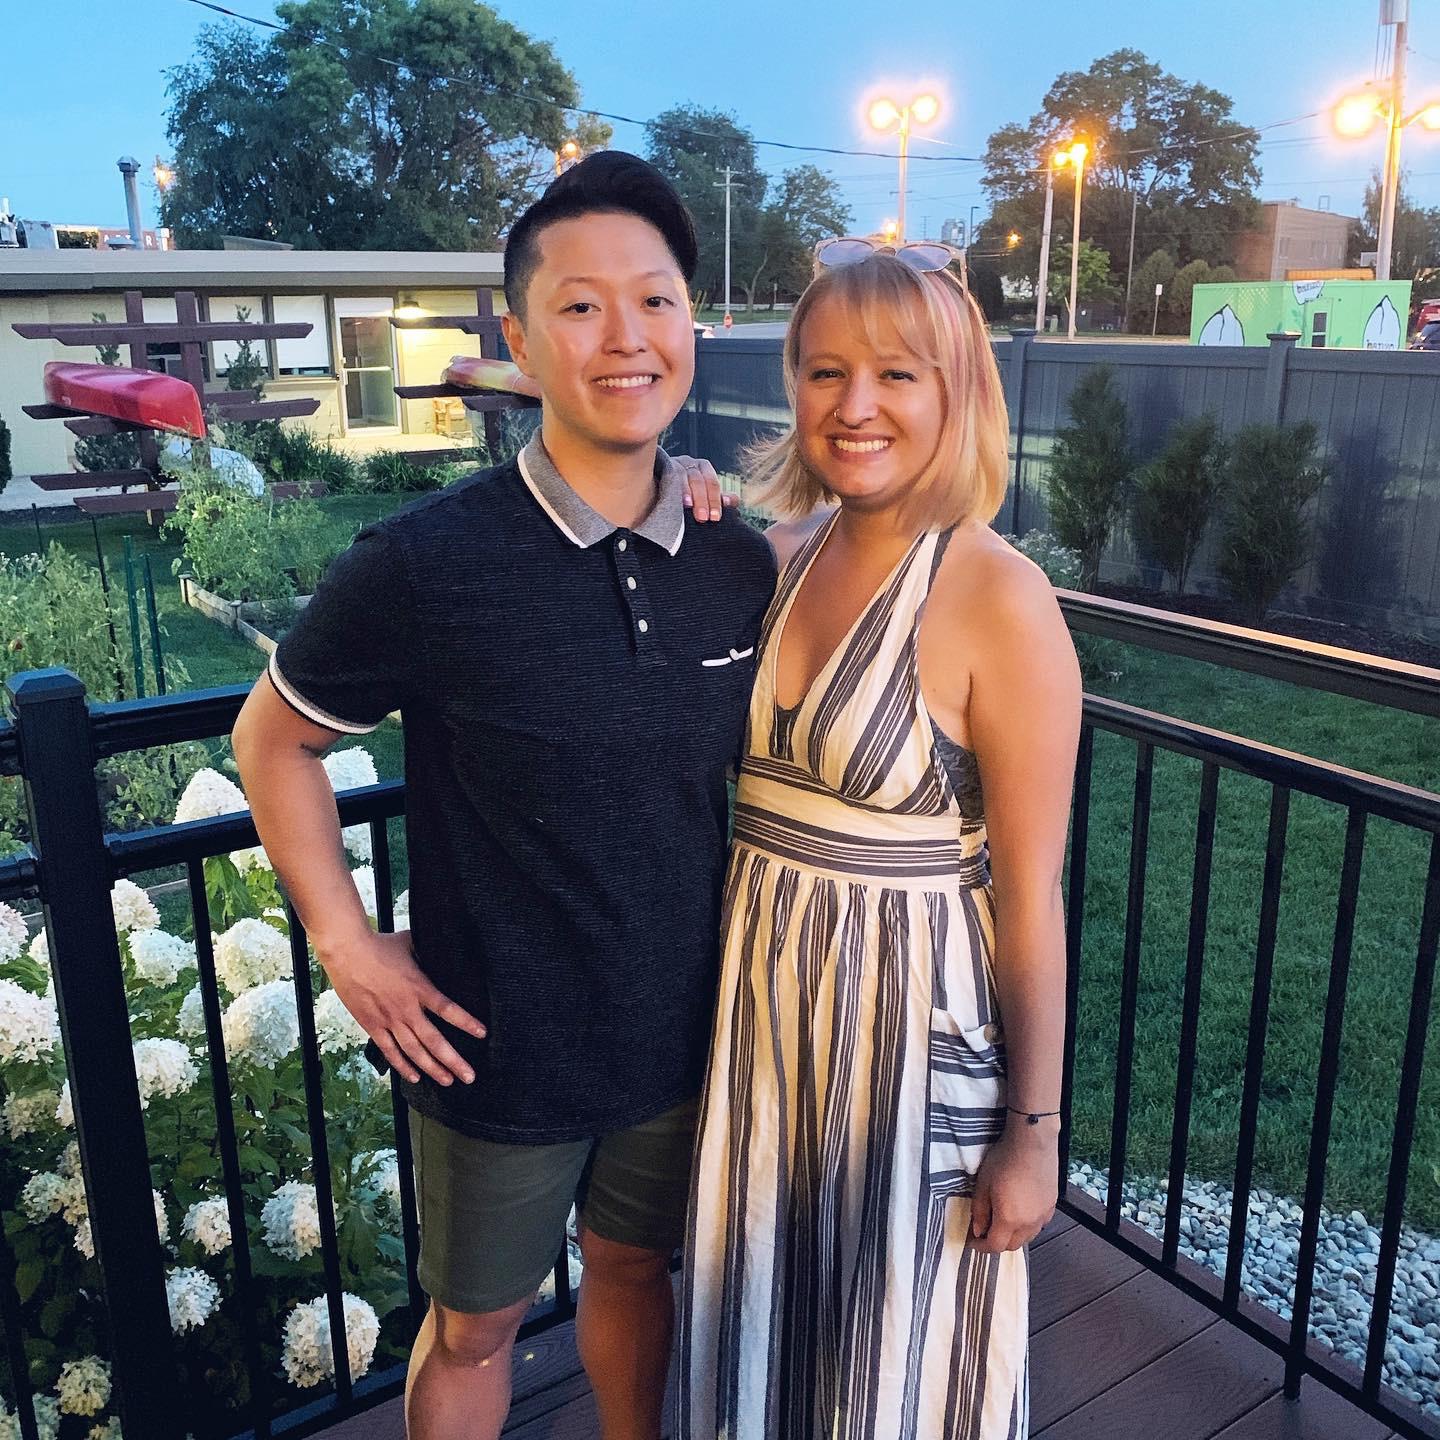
(727, 185)
(164, 175)
(566, 156)
(885, 115)
(1075, 156)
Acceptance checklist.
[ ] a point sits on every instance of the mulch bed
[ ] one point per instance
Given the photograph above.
(1392, 644)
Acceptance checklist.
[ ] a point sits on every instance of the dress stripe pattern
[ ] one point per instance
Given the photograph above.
(857, 1075)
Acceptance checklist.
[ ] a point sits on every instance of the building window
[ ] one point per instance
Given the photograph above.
(310, 355)
(237, 307)
(1317, 329)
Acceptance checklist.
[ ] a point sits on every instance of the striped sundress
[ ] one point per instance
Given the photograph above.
(857, 1074)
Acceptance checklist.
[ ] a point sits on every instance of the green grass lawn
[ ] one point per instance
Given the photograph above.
(1402, 747)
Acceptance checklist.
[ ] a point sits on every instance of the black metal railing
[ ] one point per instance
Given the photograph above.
(54, 741)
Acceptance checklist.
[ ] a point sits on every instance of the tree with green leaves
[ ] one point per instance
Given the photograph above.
(807, 207)
(312, 136)
(1415, 248)
(1165, 150)
(1093, 280)
(1274, 475)
(1182, 289)
(1176, 496)
(1091, 470)
(1155, 269)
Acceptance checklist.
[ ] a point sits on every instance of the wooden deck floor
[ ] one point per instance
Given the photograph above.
(1116, 1354)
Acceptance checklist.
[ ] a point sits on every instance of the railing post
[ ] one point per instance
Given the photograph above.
(1015, 368)
(1282, 345)
(67, 836)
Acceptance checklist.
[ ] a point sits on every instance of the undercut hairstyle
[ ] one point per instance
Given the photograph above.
(609, 182)
(936, 319)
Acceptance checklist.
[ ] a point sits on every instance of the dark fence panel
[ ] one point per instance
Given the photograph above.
(1376, 554)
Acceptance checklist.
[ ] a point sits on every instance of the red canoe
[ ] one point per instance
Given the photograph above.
(473, 373)
(143, 397)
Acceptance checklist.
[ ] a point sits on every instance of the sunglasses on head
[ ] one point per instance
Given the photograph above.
(920, 255)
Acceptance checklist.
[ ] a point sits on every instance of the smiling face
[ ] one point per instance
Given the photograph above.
(607, 333)
(868, 410)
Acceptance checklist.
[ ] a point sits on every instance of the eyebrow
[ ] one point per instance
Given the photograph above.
(596, 279)
(891, 357)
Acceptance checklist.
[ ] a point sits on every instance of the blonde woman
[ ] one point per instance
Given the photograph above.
(878, 1132)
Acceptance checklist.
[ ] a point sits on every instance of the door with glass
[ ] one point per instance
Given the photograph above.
(367, 362)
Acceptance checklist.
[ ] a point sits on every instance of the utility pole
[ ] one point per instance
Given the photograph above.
(1044, 280)
(726, 187)
(1130, 264)
(1394, 13)
(1078, 156)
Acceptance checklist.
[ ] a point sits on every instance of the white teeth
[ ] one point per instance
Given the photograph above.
(861, 447)
(627, 382)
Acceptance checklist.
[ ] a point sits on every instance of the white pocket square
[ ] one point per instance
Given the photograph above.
(733, 656)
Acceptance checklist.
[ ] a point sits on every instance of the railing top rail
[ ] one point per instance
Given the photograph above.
(1373, 678)
(1387, 799)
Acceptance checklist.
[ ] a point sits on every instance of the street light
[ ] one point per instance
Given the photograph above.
(1356, 115)
(890, 229)
(164, 175)
(566, 156)
(1074, 156)
(884, 115)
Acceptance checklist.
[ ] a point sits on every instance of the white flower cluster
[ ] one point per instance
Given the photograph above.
(191, 1019)
(84, 1386)
(45, 1194)
(250, 953)
(207, 1223)
(262, 1026)
(65, 1109)
(209, 794)
(253, 858)
(164, 1068)
(14, 933)
(110, 1430)
(159, 958)
(308, 1357)
(291, 1220)
(29, 1024)
(47, 1421)
(351, 770)
(194, 1297)
(39, 950)
(364, 879)
(336, 1029)
(402, 910)
(384, 1180)
(132, 908)
(24, 1114)
(360, 1072)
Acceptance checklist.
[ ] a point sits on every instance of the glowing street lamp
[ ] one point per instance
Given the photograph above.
(567, 155)
(885, 115)
(890, 229)
(164, 175)
(1074, 156)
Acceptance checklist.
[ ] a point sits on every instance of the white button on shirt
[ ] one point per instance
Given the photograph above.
(643, 626)
(621, 544)
(630, 581)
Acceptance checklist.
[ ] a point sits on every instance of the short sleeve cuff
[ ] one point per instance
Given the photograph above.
(309, 709)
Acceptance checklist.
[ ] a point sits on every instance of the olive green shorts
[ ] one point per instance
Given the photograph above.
(493, 1216)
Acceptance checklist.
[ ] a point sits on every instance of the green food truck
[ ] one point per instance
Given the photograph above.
(1327, 314)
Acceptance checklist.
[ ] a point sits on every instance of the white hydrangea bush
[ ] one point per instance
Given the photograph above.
(47, 1212)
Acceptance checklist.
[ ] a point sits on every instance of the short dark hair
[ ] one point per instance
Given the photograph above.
(607, 182)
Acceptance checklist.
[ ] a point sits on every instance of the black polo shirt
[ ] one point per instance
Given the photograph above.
(572, 696)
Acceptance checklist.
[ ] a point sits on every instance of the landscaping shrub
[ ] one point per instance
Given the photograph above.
(1271, 481)
(249, 370)
(300, 457)
(107, 452)
(1091, 470)
(54, 611)
(1099, 658)
(1177, 494)
(45, 1208)
(392, 473)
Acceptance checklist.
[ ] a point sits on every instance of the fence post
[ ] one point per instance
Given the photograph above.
(67, 835)
(1282, 344)
(1015, 367)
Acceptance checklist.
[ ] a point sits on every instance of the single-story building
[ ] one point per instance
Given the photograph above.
(351, 360)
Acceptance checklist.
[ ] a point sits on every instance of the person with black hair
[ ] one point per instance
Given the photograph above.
(572, 659)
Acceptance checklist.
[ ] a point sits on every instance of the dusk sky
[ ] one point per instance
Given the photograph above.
(84, 83)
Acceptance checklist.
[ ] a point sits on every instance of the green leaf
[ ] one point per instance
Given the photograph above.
(28, 1275)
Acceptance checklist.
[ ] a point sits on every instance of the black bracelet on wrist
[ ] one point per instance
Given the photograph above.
(1032, 1117)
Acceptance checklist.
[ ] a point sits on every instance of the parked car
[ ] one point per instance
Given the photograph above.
(1428, 337)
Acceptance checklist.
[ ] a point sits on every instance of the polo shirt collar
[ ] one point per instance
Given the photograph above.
(583, 526)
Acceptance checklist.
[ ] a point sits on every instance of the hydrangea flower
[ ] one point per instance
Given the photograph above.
(39, 950)
(336, 1029)
(352, 770)
(290, 1220)
(193, 1295)
(364, 879)
(253, 858)
(65, 1109)
(24, 1114)
(402, 910)
(110, 1430)
(207, 1223)
(42, 1196)
(164, 1068)
(191, 1019)
(84, 1386)
(384, 1182)
(159, 958)
(132, 907)
(361, 1073)
(29, 1024)
(209, 794)
(47, 1420)
(250, 953)
(308, 1357)
(262, 1026)
(14, 933)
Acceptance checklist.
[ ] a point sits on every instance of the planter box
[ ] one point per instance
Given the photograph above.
(235, 615)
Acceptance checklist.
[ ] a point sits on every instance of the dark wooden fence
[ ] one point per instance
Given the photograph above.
(1376, 558)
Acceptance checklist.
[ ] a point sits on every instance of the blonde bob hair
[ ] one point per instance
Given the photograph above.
(941, 324)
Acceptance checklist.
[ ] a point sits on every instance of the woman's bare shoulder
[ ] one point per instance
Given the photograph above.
(985, 582)
(787, 536)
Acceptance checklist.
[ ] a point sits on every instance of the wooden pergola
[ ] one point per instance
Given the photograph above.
(190, 333)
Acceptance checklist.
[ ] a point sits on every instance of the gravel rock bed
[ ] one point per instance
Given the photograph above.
(1346, 1261)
